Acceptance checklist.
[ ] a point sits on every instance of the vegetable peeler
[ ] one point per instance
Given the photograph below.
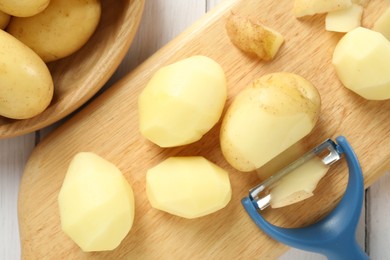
(334, 235)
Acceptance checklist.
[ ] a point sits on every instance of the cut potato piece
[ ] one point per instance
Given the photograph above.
(298, 184)
(266, 118)
(311, 7)
(96, 203)
(182, 101)
(188, 187)
(362, 62)
(344, 20)
(253, 38)
(382, 25)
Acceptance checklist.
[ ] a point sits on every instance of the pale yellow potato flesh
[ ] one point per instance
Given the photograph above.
(382, 25)
(361, 2)
(311, 7)
(299, 184)
(96, 203)
(4, 20)
(26, 86)
(253, 38)
(182, 101)
(23, 8)
(362, 62)
(344, 20)
(267, 117)
(188, 187)
(59, 30)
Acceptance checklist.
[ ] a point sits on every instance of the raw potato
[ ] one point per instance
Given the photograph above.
(311, 7)
(182, 101)
(362, 62)
(382, 25)
(60, 30)
(188, 187)
(96, 203)
(344, 20)
(23, 8)
(4, 20)
(253, 38)
(299, 184)
(271, 114)
(26, 86)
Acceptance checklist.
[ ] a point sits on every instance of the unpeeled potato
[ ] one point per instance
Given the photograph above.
(60, 30)
(23, 8)
(4, 20)
(267, 117)
(26, 85)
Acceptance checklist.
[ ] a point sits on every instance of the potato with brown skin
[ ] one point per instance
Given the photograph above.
(60, 30)
(267, 117)
(253, 38)
(4, 20)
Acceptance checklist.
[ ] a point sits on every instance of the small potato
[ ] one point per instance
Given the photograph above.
(382, 25)
(60, 30)
(253, 38)
(182, 101)
(96, 203)
(23, 8)
(26, 86)
(362, 62)
(270, 115)
(4, 20)
(188, 187)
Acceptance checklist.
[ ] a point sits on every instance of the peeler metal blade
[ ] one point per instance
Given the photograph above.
(329, 153)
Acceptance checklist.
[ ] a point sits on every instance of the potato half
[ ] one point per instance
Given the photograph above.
(267, 117)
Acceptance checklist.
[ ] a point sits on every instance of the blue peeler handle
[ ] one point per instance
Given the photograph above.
(334, 235)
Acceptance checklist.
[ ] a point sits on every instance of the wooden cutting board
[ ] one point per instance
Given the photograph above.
(109, 127)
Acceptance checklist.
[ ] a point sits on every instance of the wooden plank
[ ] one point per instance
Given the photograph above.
(14, 153)
(108, 126)
(378, 221)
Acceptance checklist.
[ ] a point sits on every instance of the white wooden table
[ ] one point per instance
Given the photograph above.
(163, 20)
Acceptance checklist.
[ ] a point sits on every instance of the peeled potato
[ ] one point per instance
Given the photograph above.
(362, 62)
(23, 8)
(188, 187)
(253, 37)
(182, 101)
(4, 19)
(96, 203)
(26, 85)
(299, 184)
(267, 117)
(59, 30)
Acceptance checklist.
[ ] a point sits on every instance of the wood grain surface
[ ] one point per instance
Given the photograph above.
(109, 127)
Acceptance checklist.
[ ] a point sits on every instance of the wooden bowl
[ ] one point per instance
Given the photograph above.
(78, 77)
